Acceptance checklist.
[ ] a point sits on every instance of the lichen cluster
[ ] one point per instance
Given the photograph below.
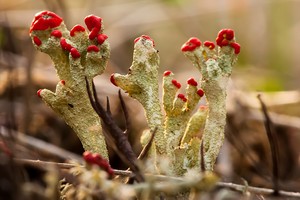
(76, 55)
(187, 134)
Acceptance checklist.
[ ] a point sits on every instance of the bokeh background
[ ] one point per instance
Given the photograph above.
(267, 30)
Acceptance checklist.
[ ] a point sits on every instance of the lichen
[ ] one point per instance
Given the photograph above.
(75, 58)
(182, 129)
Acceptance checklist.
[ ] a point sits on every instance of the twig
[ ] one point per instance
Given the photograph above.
(202, 163)
(257, 190)
(125, 112)
(237, 187)
(273, 144)
(40, 145)
(118, 140)
(147, 147)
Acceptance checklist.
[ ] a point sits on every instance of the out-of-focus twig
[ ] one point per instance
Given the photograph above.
(273, 144)
(40, 145)
(237, 187)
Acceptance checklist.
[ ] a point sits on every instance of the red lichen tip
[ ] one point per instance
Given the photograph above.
(56, 33)
(167, 73)
(44, 20)
(64, 45)
(101, 38)
(93, 48)
(209, 45)
(112, 80)
(37, 41)
(76, 28)
(191, 44)
(236, 46)
(93, 23)
(97, 159)
(39, 93)
(224, 37)
(176, 84)
(146, 37)
(75, 53)
(63, 82)
(182, 97)
(200, 92)
(191, 81)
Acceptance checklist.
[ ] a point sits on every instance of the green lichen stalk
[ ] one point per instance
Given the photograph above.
(141, 83)
(216, 68)
(178, 108)
(76, 55)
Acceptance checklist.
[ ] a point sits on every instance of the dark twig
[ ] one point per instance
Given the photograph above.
(108, 106)
(118, 140)
(125, 112)
(202, 164)
(273, 144)
(147, 147)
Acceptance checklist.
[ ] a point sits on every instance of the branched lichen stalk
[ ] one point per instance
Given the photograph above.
(76, 55)
(215, 68)
(141, 83)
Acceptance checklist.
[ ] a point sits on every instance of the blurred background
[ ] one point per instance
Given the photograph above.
(267, 30)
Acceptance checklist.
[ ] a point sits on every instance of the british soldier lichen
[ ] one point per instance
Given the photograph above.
(75, 56)
(180, 128)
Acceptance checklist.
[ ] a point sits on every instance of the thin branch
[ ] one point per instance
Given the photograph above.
(39, 145)
(147, 147)
(108, 106)
(125, 112)
(273, 144)
(257, 190)
(202, 163)
(170, 179)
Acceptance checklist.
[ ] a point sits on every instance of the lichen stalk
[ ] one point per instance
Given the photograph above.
(141, 83)
(213, 136)
(178, 109)
(75, 57)
(215, 68)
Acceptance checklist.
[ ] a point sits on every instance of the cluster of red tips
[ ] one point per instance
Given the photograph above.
(176, 84)
(182, 97)
(56, 33)
(39, 93)
(209, 45)
(112, 79)
(93, 48)
(76, 28)
(200, 92)
(146, 37)
(45, 20)
(167, 73)
(96, 159)
(225, 37)
(65, 46)
(191, 81)
(191, 44)
(37, 41)
(94, 24)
